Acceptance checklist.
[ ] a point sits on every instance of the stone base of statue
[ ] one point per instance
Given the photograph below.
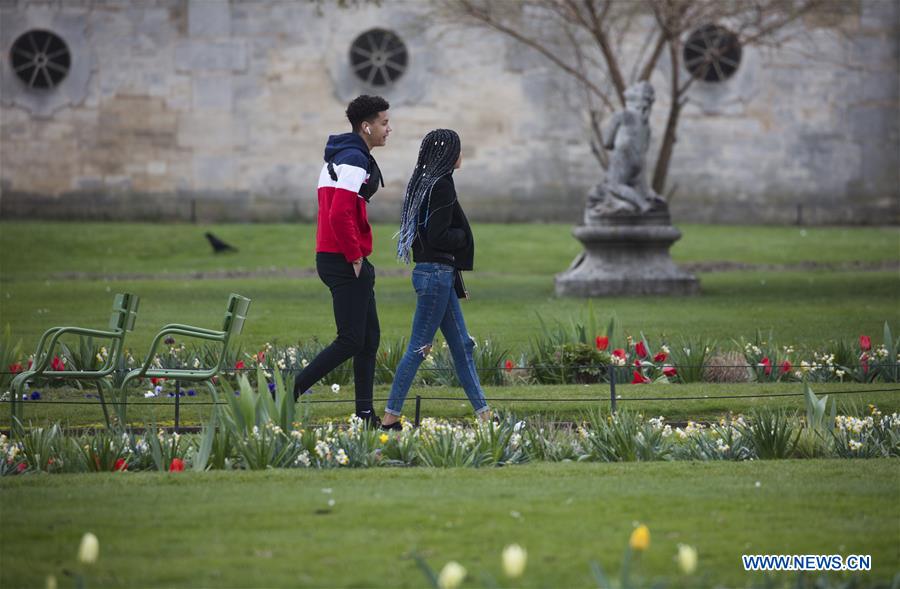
(626, 254)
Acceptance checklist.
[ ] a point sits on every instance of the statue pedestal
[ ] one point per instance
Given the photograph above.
(626, 255)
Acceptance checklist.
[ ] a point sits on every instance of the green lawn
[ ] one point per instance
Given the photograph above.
(513, 282)
(524, 401)
(275, 529)
(35, 250)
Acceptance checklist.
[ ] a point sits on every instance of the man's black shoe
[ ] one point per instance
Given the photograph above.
(372, 421)
(297, 394)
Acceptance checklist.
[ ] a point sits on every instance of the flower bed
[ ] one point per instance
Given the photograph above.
(256, 432)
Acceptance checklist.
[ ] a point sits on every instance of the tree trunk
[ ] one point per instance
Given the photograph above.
(670, 135)
(666, 149)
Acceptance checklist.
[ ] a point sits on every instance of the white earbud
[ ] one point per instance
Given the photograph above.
(369, 130)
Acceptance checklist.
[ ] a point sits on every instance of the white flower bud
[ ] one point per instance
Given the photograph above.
(687, 559)
(514, 559)
(89, 549)
(451, 576)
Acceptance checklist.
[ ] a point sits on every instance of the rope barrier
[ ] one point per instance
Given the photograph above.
(490, 399)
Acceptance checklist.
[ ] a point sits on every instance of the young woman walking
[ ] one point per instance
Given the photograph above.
(434, 229)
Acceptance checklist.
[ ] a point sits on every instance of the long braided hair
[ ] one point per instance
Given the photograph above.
(437, 157)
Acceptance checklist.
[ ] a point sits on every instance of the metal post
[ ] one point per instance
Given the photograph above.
(612, 389)
(418, 409)
(12, 414)
(177, 403)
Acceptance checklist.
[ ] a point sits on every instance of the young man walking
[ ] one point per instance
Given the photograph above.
(349, 178)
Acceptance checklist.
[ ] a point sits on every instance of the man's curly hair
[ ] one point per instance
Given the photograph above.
(365, 108)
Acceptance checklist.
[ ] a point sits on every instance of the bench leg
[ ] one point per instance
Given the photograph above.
(16, 406)
(102, 384)
(212, 390)
(122, 401)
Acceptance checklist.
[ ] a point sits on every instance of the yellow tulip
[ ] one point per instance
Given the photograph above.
(640, 538)
(383, 438)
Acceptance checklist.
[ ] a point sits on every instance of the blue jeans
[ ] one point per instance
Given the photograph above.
(437, 306)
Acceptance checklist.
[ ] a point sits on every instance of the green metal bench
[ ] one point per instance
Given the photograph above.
(235, 314)
(124, 313)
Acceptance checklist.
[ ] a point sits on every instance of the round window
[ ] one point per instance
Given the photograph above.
(40, 59)
(378, 57)
(712, 53)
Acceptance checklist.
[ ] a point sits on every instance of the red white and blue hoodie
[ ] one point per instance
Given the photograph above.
(344, 190)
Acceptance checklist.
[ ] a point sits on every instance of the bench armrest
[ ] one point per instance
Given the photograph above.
(42, 358)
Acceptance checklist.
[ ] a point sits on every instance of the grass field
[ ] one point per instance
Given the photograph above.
(275, 529)
(58, 274)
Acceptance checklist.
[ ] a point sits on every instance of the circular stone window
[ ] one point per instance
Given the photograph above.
(712, 53)
(378, 57)
(40, 59)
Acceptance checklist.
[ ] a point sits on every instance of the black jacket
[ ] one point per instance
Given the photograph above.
(446, 237)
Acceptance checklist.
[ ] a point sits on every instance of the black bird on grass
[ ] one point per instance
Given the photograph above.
(218, 245)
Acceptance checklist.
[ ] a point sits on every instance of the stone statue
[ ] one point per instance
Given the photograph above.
(627, 229)
(625, 191)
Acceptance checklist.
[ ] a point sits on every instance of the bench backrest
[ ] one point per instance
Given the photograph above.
(124, 312)
(235, 315)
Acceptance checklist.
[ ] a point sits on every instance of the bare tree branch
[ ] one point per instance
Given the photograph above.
(488, 19)
(650, 64)
(599, 34)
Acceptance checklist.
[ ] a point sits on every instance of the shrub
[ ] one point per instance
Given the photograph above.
(726, 367)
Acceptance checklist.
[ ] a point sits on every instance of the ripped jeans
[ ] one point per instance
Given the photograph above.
(437, 306)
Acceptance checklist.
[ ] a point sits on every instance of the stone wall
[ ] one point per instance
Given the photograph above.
(219, 110)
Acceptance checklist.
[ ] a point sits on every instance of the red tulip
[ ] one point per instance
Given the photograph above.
(865, 343)
(767, 365)
(177, 465)
(21, 467)
(260, 356)
(602, 342)
(240, 365)
(641, 349)
(509, 365)
(670, 371)
(785, 367)
(619, 353)
(639, 378)
(15, 368)
(661, 357)
(57, 364)
(120, 465)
